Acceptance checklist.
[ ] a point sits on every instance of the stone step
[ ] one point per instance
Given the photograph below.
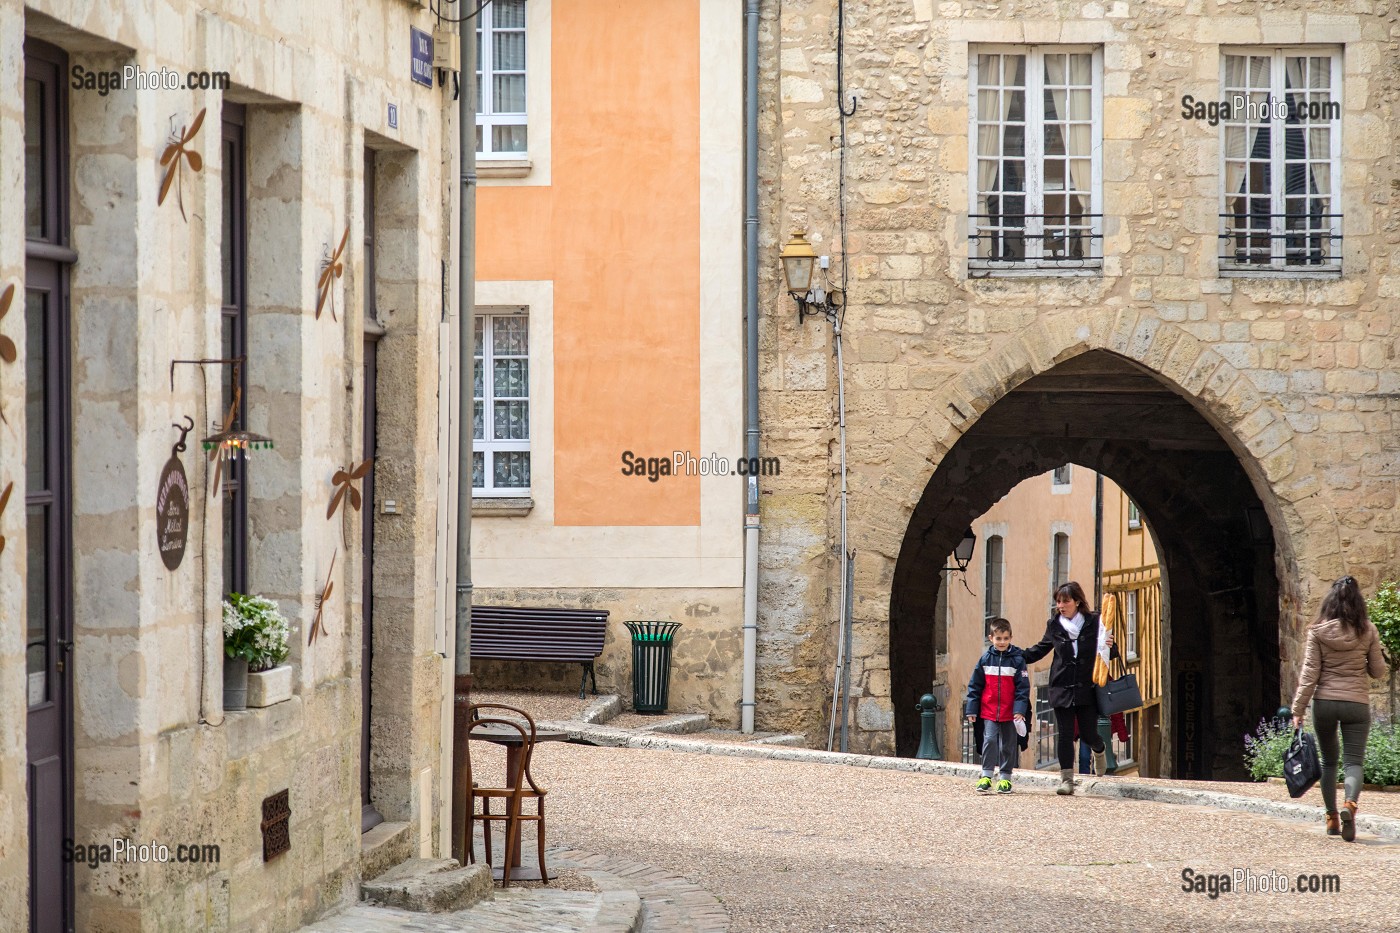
(385, 846)
(429, 886)
(602, 709)
(681, 725)
(513, 910)
(790, 739)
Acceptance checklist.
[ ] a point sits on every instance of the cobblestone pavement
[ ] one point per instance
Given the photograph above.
(791, 846)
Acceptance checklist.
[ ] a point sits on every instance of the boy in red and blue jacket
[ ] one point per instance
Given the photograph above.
(999, 692)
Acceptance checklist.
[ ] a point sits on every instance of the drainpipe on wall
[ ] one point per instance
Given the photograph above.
(1098, 539)
(466, 307)
(751, 526)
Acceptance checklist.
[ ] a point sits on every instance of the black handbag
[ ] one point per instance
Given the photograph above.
(1119, 695)
(1301, 767)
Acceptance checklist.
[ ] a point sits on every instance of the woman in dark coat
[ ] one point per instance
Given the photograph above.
(1073, 634)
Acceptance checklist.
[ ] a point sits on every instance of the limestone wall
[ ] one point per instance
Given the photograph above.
(156, 757)
(14, 819)
(707, 653)
(1296, 373)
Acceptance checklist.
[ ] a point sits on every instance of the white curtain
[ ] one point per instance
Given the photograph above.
(1237, 155)
(989, 136)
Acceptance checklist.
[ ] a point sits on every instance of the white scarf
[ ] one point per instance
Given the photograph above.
(1073, 627)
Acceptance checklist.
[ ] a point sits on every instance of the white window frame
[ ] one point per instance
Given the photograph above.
(1058, 488)
(1130, 623)
(1134, 516)
(1035, 263)
(1055, 581)
(486, 120)
(1277, 162)
(487, 445)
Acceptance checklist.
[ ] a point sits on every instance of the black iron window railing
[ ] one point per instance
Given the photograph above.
(1034, 241)
(1261, 242)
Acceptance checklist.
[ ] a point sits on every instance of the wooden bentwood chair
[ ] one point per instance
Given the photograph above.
(520, 786)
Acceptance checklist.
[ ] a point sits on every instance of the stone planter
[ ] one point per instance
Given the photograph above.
(235, 683)
(268, 687)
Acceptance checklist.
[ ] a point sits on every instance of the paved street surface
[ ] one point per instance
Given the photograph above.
(707, 843)
(791, 846)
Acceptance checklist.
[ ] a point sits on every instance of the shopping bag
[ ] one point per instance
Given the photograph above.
(1301, 768)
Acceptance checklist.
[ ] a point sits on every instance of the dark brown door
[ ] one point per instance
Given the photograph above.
(48, 607)
(48, 640)
(369, 816)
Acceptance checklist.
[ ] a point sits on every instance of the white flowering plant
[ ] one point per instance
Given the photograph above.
(255, 630)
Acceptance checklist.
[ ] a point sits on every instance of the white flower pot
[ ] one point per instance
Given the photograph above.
(268, 687)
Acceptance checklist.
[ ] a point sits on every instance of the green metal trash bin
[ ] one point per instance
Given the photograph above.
(651, 664)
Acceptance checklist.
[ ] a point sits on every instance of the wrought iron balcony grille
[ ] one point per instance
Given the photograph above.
(1046, 242)
(1258, 242)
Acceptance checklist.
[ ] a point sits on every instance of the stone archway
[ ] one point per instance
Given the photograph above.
(1231, 453)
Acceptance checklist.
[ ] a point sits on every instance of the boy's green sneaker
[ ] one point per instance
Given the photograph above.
(1003, 786)
(984, 785)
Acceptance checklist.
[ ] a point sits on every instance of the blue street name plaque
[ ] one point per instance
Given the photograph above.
(422, 44)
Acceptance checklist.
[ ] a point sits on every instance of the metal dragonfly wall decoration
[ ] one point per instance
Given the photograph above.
(174, 158)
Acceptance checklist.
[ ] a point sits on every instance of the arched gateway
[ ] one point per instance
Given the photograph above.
(1181, 431)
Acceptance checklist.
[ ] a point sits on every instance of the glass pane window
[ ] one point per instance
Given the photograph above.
(234, 343)
(501, 404)
(1281, 161)
(36, 396)
(35, 174)
(993, 578)
(1036, 142)
(1130, 616)
(500, 79)
(1060, 560)
(37, 629)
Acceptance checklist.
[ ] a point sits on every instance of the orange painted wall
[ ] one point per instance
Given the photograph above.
(618, 233)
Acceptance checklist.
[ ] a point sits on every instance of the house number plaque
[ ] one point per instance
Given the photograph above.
(173, 504)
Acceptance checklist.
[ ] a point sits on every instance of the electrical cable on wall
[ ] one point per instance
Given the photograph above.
(842, 681)
(437, 10)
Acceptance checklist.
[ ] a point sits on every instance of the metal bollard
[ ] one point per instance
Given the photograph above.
(928, 743)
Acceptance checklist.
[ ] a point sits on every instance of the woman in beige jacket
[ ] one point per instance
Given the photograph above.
(1343, 648)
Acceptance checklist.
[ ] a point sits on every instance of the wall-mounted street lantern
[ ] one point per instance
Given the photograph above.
(799, 265)
(227, 443)
(962, 554)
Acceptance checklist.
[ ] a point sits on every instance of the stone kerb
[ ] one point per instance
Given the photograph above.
(1258, 434)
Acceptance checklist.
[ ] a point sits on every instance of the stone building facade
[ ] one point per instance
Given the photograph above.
(1229, 365)
(319, 170)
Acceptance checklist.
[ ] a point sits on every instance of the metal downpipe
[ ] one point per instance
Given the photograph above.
(751, 522)
(466, 306)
